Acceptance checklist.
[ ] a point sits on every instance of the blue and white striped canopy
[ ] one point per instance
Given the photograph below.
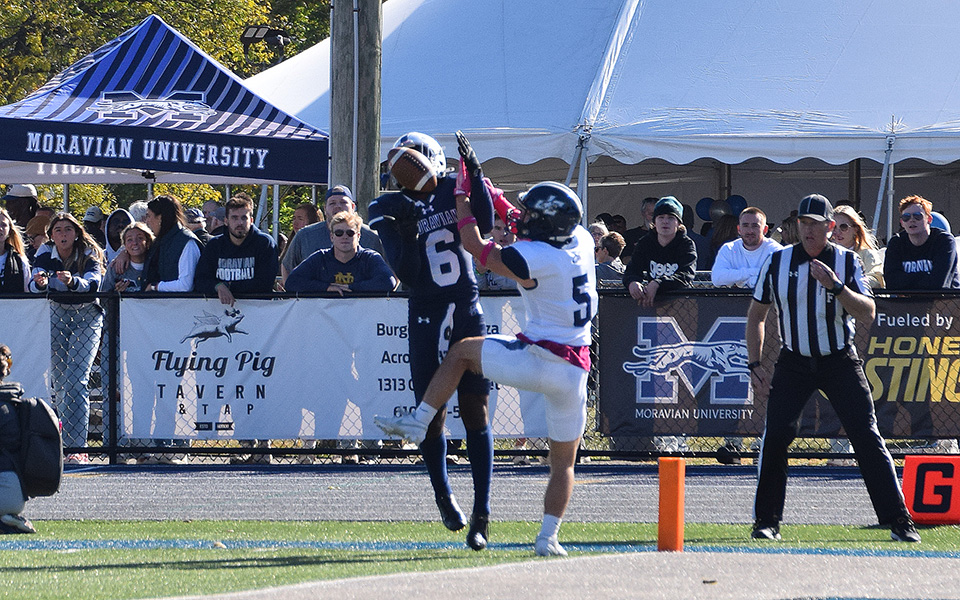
(151, 101)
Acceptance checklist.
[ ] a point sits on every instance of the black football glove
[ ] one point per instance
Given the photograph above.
(405, 218)
(467, 154)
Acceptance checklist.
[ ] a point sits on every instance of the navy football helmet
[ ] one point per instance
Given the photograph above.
(551, 212)
(427, 146)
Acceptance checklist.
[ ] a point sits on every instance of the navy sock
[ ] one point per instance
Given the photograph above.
(480, 452)
(434, 452)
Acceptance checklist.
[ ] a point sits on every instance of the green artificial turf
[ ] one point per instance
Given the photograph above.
(103, 572)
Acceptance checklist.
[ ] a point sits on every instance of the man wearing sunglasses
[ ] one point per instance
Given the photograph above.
(920, 257)
(345, 266)
(316, 236)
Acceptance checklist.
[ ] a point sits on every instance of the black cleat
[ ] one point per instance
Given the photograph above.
(450, 513)
(478, 536)
(762, 531)
(903, 530)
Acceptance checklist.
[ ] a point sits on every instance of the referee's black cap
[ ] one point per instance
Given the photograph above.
(815, 207)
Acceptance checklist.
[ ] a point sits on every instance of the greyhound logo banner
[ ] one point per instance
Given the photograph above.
(681, 369)
(668, 359)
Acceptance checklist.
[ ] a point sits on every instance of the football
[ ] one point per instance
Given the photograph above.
(411, 169)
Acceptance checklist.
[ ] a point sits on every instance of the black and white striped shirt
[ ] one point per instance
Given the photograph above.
(812, 320)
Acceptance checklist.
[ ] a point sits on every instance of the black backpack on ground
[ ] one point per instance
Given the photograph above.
(40, 460)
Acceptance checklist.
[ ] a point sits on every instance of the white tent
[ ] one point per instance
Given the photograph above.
(632, 80)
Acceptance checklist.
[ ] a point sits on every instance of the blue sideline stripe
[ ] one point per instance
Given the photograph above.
(20, 543)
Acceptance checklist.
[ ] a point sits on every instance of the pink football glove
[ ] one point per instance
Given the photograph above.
(463, 181)
(506, 211)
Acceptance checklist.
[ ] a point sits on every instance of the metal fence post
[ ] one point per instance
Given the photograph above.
(113, 387)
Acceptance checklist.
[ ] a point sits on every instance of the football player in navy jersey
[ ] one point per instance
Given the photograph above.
(421, 242)
(553, 263)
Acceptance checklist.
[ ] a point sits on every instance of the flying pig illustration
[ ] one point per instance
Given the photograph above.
(209, 326)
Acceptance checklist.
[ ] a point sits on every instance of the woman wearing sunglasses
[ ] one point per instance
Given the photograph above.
(920, 257)
(345, 267)
(852, 233)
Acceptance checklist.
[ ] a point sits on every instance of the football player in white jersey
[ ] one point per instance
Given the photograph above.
(554, 266)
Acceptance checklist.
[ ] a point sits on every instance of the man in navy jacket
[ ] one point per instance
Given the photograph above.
(346, 267)
(242, 261)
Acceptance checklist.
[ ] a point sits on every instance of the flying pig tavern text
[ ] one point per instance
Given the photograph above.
(245, 360)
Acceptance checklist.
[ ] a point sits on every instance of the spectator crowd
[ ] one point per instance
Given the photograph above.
(217, 249)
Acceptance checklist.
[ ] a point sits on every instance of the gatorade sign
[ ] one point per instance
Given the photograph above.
(931, 488)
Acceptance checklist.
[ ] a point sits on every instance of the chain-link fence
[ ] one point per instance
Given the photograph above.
(85, 379)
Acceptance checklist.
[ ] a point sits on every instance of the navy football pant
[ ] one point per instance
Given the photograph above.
(434, 327)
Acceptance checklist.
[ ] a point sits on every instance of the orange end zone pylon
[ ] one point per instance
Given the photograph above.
(670, 525)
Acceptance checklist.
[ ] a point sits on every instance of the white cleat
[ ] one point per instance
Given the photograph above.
(548, 546)
(15, 524)
(406, 427)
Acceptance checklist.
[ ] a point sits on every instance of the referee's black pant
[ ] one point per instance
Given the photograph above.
(840, 377)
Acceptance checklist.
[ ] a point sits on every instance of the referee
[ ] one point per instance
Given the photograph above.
(819, 289)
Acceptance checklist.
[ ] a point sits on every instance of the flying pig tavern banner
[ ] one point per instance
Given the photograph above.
(681, 368)
(281, 369)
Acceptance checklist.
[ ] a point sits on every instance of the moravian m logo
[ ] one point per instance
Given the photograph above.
(188, 107)
(668, 360)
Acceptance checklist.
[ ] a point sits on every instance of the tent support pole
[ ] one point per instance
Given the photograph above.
(573, 164)
(880, 193)
(725, 182)
(258, 219)
(66, 197)
(890, 202)
(853, 183)
(583, 181)
(276, 213)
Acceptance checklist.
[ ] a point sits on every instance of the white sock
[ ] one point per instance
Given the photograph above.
(550, 526)
(425, 413)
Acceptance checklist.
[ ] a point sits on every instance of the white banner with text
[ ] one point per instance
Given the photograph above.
(288, 368)
(25, 329)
